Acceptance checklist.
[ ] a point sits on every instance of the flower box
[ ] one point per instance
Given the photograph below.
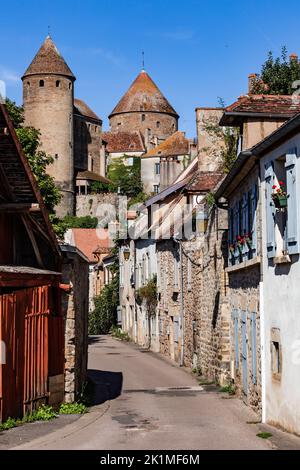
(280, 202)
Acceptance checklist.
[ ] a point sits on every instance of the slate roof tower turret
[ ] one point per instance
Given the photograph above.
(144, 108)
(48, 98)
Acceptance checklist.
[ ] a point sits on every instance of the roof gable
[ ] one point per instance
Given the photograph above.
(176, 144)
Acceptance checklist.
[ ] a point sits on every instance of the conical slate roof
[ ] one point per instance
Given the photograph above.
(143, 95)
(48, 60)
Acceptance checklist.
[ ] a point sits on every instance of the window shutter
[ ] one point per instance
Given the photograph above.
(253, 228)
(253, 347)
(270, 211)
(292, 212)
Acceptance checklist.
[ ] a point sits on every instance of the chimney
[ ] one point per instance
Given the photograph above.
(293, 57)
(251, 80)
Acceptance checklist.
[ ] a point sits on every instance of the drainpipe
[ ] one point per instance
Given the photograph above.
(181, 317)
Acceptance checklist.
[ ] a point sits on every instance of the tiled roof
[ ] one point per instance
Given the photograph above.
(49, 60)
(123, 142)
(80, 107)
(205, 181)
(87, 240)
(284, 106)
(176, 144)
(90, 175)
(143, 95)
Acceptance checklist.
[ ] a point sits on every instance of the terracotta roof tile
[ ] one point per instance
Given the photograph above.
(176, 144)
(274, 104)
(143, 95)
(80, 107)
(49, 60)
(88, 241)
(123, 142)
(204, 181)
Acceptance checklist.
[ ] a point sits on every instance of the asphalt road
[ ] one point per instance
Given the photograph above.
(151, 404)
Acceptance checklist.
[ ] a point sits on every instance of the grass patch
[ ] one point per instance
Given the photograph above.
(203, 381)
(230, 389)
(119, 334)
(72, 409)
(43, 413)
(264, 435)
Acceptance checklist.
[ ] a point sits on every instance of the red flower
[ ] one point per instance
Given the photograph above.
(274, 186)
(281, 183)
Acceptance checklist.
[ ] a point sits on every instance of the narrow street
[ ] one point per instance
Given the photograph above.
(153, 405)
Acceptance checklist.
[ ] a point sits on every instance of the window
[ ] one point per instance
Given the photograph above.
(156, 189)
(57, 83)
(42, 83)
(276, 354)
(119, 124)
(157, 124)
(242, 227)
(28, 84)
(143, 117)
(282, 206)
(70, 86)
(157, 168)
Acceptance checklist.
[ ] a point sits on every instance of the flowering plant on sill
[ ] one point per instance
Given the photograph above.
(279, 196)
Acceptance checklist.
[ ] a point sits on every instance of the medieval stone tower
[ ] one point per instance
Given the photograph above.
(144, 108)
(48, 97)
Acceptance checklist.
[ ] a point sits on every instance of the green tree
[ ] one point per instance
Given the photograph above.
(104, 315)
(38, 160)
(126, 178)
(277, 75)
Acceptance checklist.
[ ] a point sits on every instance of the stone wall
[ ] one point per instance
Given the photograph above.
(147, 126)
(91, 203)
(210, 140)
(75, 273)
(207, 343)
(88, 145)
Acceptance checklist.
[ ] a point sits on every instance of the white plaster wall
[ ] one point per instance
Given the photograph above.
(281, 286)
(148, 176)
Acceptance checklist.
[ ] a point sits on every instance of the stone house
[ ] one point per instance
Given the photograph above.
(162, 165)
(241, 192)
(94, 244)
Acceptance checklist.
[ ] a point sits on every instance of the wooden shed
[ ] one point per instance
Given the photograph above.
(31, 323)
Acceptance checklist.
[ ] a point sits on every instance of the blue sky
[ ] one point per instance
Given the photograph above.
(195, 50)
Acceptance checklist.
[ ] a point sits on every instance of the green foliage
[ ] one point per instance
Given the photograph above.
(125, 178)
(211, 200)
(277, 75)
(140, 198)
(119, 334)
(38, 160)
(230, 389)
(69, 221)
(75, 408)
(104, 315)
(225, 142)
(43, 413)
(264, 435)
(148, 295)
(98, 187)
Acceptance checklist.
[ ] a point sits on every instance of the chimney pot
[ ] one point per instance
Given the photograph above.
(293, 56)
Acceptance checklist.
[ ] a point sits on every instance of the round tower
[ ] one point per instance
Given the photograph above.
(144, 108)
(48, 99)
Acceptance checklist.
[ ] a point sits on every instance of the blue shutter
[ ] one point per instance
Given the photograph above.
(253, 229)
(237, 228)
(230, 233)
(292, 212)
(253, 347)
(270, 210)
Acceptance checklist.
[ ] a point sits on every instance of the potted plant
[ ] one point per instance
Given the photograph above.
(241, 242)
(279, 196)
